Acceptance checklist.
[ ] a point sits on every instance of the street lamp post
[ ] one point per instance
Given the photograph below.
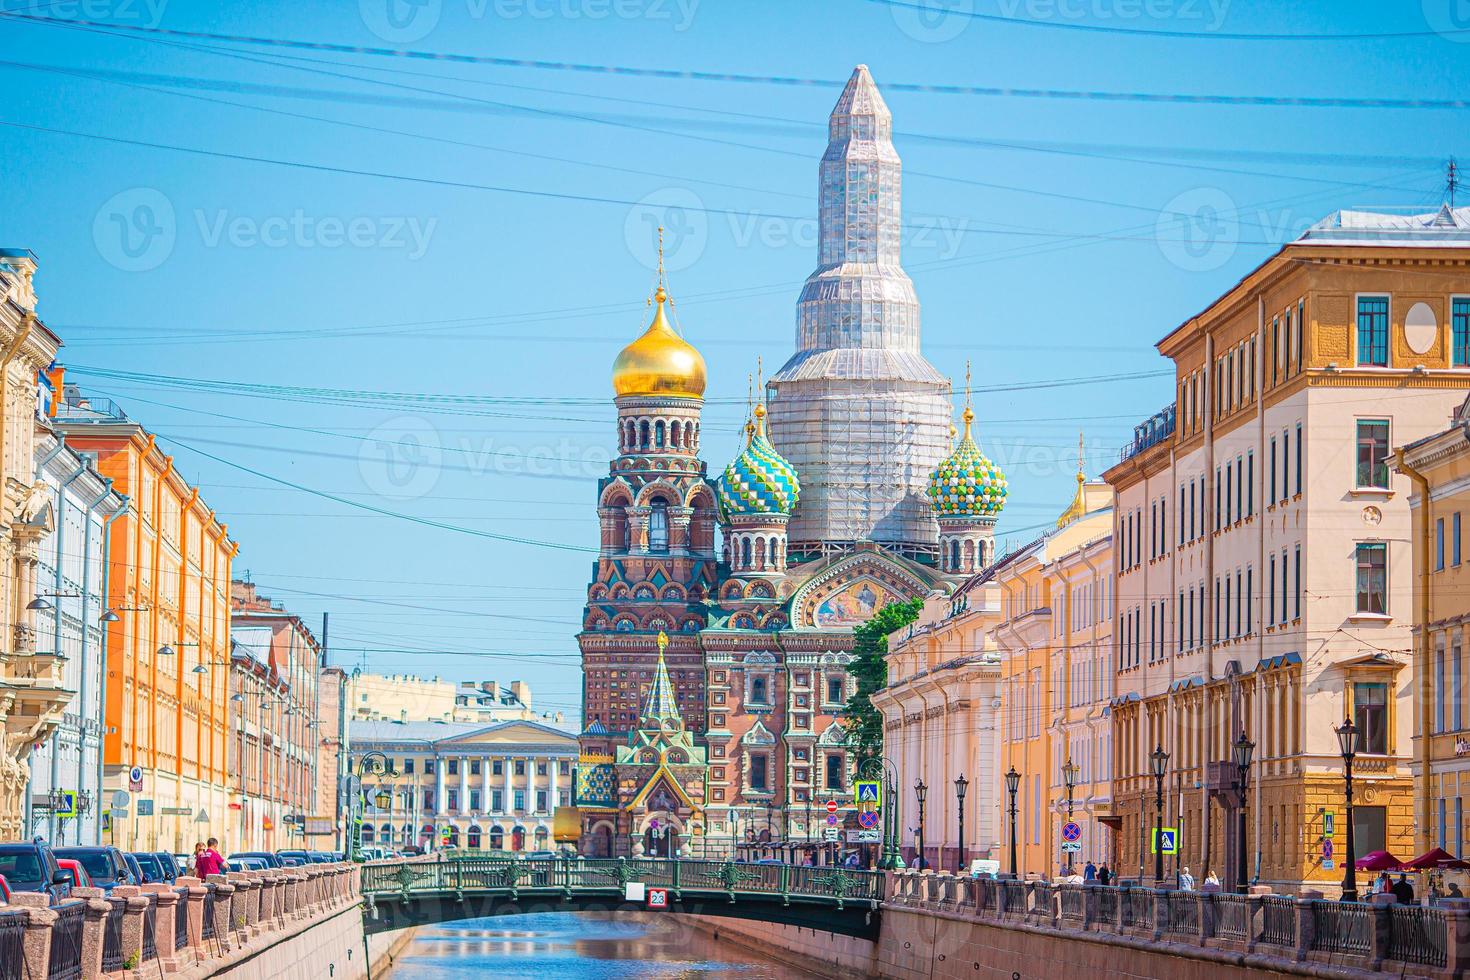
(884, 771)
(1013, 783)
(1069, 776)
(1347, 739)
(1243, 749)
(1160, 760)
(961, 784)
(920, 792)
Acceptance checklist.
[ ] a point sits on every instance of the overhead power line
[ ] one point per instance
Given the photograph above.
(677, 74)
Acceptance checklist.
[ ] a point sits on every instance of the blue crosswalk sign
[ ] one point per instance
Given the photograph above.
(869, 792)
(1166, 840)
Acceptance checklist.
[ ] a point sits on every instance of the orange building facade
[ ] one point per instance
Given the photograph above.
(167, 590)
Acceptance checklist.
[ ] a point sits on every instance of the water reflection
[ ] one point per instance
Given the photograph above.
(578, 946)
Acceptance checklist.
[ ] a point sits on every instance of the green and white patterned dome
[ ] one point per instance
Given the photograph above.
(759, 481)
(967, 484)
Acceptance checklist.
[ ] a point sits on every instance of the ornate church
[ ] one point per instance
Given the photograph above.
(718, 626)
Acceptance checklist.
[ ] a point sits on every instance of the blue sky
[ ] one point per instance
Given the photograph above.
(387, 250)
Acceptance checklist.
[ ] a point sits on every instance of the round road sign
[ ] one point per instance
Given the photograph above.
(831, 806)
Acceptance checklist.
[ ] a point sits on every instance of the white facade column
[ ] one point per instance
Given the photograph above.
(464, 786)
(439, 786)
(508, 804)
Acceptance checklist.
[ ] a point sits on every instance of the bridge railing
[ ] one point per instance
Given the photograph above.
(1404, 940)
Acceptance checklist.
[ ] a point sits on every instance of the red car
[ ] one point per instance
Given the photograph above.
(79, 876)
(4, 890)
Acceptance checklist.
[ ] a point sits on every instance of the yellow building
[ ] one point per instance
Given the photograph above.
(1054, 642)
(1264, 569)
(1439, 468)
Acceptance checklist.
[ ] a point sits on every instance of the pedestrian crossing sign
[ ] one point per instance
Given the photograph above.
(869, 791)
(1166, 840)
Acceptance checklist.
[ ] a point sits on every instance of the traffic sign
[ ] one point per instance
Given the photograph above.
(864, 837)
(1071, 846)
(1071, 832)
(831, 834)
(145, 808)
(1166, 840)
(869, 791)
(1327, 849)
(135, 779)
(658, 898)
(831, 806)
(67, 804)
(1329, 823)
(121, 799)
(868, 819)
(831, 819)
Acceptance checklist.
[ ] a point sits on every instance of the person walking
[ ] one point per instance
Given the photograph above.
(1104, 875)
(194, 859)
(1212, 879)
(209, 861)
(1186, 880)
(1089, 872)
(1402, 890)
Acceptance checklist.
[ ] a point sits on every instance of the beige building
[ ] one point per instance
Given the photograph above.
(476, 787)
(1438, 467)
(33, 693)
(1263, 559)
(406, 697)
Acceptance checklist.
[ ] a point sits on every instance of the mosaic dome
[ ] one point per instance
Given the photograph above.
(759, 481)
(967, 484)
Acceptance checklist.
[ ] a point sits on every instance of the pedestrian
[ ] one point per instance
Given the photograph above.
(194, 860)
(1381, 884)
(208, 861)
(1455, 890)
(1212, 879)
(852, 859)
(1104, 876)
(1089, 872)
(1186, 880)
(1402, 890)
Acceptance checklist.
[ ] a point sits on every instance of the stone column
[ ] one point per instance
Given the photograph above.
(224, 910)
(132, 923)
(510, 794)
(193, 906)
(1306, 926)
(486, 765)
(168, 919)
(39, 919)
(464, 786)
(439, 806)
(1457, 936)
(94, 929)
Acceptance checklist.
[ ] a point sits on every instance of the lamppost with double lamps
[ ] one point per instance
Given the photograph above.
(1013, 783)
(1160, 760)
(1069, 776)
(960, 785)
(1243, 749)
(1347, 739)
(920, 792)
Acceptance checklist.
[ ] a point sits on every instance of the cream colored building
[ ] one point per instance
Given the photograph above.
(940, 713)
(406, 697)
(33, 692)
(487, 787)
(1263, 549)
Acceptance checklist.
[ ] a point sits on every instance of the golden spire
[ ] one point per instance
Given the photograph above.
(1078, 506)
(660, 362)
(968, 415)
(749, 408)
(759, 411)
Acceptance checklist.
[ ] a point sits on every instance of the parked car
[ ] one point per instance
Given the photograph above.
(151, 867)
(106, 865)
(299, 857)
(73, 867)
(4, 890)
(240, 863)
(183, 862)
(33, 868)
(134, 868)
(271, 861)
(170, 868)
(320, 857)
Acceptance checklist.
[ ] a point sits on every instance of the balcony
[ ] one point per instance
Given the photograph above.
(1149, 433)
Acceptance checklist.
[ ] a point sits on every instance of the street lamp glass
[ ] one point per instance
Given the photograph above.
(1069, 773)
(1347, 739)
(165, 651)
(38, 603)
(1160, 760)
(920, 790)
(200, 669)
(1013, 780)
(1243, 749)
(960, 785)
(110, 616)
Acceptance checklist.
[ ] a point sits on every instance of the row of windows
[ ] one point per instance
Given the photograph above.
(452, 800)
(1373, 329)
(1439, 542)
(497, 767)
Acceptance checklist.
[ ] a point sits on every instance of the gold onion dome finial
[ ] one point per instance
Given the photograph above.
(659, 362)
(1078, 506)
(967, 484)
(759, 480)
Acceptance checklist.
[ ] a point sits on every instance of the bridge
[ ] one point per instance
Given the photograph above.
(415, 892)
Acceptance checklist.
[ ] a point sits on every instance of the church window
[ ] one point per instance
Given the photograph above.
(643, 434)
(658, 434)
(834, 772)
(658, 527)
(759, 691)
(834, 690)
(745, 552)
(758, 773)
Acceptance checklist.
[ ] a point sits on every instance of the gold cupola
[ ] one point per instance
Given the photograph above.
(659, 362)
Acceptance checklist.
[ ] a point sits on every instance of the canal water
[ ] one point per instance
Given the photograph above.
(578, 946)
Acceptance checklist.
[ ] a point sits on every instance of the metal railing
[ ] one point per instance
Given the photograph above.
(12, 945)
(1074, 905)
(1342, 927)
(112, 954)
(1232, 917)
(1107, 906)
(150, 929)
(1278, 920)
(1183, 914)
(181, 919)
(66, 941)
(1417, 935)
(206, 930)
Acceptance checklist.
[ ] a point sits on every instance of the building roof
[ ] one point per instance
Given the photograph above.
(1447, 227)
(433, 732)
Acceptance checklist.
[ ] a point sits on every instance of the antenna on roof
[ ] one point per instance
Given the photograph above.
(1452, 180)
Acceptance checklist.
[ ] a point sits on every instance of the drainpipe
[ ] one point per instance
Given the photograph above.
(122, 509)
(1420, 632)
(52, 747)
(52, 824)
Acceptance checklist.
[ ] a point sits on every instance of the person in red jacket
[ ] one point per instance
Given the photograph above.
(209, 861)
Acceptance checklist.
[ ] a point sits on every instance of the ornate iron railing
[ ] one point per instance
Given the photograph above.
(112, 955)
(1278, 920)
(1183, 914)
(1232, 917)
(150, 929)
(1074, 904)
(206, 930)
(181, 919)
(1107, 906)
(1342, 927)
(13, 945)
(66, 942)
(1417, 935)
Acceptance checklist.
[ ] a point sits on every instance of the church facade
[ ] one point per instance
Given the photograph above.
(717, 632)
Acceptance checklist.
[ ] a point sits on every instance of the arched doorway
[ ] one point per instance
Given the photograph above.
(497, 839)
(518, 839)
(599, 843)
(426, 836)
(452, 840)
(472, 837)
(661, 835)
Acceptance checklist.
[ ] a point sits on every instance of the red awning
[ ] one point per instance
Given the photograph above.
(1437, 858)
(1379, 861)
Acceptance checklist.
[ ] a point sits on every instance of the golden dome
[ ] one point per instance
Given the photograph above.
(660, 362)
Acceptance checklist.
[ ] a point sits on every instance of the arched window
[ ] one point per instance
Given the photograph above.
(658, 434)
(676, 433)
(760, 552)
(472, 838)
(368, 834)
(658, 526)
(744, 552)
(518, 839)
(630, 435)
(497, 839)
(385, 833)
(453, 840)
(643, 434)
(542, 836)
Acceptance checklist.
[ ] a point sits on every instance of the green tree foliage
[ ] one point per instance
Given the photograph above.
(863, 722)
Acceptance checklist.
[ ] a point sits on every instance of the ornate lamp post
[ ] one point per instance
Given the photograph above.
(1242, 751)
(1069, 776)
(1160, 760)
(961, 784)
(1013, 783)
(920, 792)
(881, 769)
(1347, 740)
